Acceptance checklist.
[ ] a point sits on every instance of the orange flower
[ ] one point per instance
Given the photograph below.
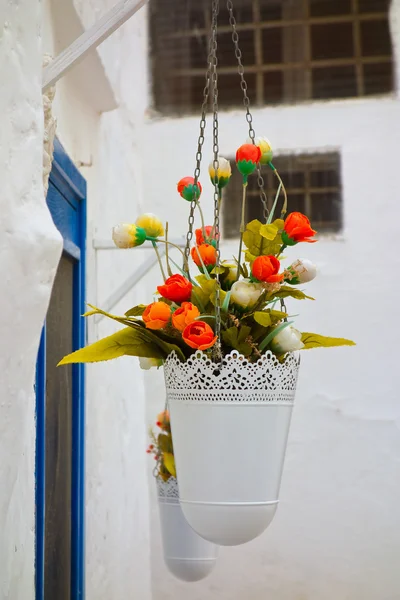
(199, 335)
(163, 421)
(200, 237)
(176, 288)
(156, 315)
(297, 228)
(208, 255)
(184, 315)
(266, 268)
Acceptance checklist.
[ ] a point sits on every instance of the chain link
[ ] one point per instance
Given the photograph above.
(214, 80)
(246, 102)
(200, 143)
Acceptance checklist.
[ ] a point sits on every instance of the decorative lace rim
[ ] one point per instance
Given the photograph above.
(234, 380)
(168, 491)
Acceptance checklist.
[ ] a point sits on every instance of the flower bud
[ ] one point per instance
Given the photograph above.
(187, 190)
(149, 363)
(246, 294)
(151, 224)
(128, 235)
(224, 172)
(265, 148)
(247, 158)
(287, 340)
(301, 271)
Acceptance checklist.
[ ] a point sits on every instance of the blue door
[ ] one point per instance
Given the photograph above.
(60, 400)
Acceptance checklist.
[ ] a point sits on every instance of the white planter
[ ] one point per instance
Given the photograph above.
(230, 430)
(187, 555)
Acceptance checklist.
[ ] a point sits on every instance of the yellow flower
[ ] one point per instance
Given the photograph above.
(266, 149)
(128, 235)
(151, 224)
(224, 171)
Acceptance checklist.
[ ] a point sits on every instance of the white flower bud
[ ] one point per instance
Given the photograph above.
(302, 270)
(245, 294)
(287, 340)
(148, 363)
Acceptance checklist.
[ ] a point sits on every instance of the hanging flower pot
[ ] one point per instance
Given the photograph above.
(187, 555)
(230, 422)
(227, 345)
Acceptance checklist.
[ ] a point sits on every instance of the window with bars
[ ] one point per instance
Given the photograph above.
(293, 50)
(312, 182)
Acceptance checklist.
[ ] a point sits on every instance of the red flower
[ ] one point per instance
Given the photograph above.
(248, 152)
(176, 288)
(297, 228)
(247, 158)
(266, 268)
(200, 237)
(186, 189)
(199, 335)
(208, 255)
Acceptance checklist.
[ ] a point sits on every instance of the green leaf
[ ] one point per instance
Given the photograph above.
(164, 442)
(257, 244)
(313, 340)
(235, 338)
(286, 291)
(132, 342)
(136, 311)
(270, 231)
(169, 463)
(263, 318)
(125, 320)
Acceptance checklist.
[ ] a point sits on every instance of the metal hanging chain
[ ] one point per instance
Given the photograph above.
(214, 80)
(246, 102)
(199, 156)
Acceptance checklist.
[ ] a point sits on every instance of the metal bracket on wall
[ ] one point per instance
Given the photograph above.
(133, 279)
(89, 40)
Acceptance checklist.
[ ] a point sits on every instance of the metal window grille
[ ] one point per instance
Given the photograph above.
(293, 50)
(313, 185)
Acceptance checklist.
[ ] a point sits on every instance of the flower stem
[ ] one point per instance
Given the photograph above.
(202, 219)
(271, 214)
(242, 228)
(166, 250)
(285, 202)
(175, 246)
(159, 259)
(281, 249)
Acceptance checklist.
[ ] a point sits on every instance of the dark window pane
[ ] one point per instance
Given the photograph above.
(334, 40)
(296, 203)
(226, 50)
(273, 87)
(375, 38)
(271, 10)
(324, 8)
(293, 179)
(334, 82)
(59, 436)
(378, 78)
(326, 211)
(230, 93)
(324, 178)
(198, 51)
(373, 6)
(272, 44)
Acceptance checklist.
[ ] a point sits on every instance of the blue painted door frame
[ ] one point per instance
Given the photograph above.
(66, 200)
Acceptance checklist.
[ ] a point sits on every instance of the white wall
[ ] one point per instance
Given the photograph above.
(107, 148)
(30, 247)
(335, 535)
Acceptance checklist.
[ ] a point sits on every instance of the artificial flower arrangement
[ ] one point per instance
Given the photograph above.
(248, 288)
(161, 447)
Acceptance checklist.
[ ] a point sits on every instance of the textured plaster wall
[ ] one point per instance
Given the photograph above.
(335, 535)
(105, 145)
(30, 248)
